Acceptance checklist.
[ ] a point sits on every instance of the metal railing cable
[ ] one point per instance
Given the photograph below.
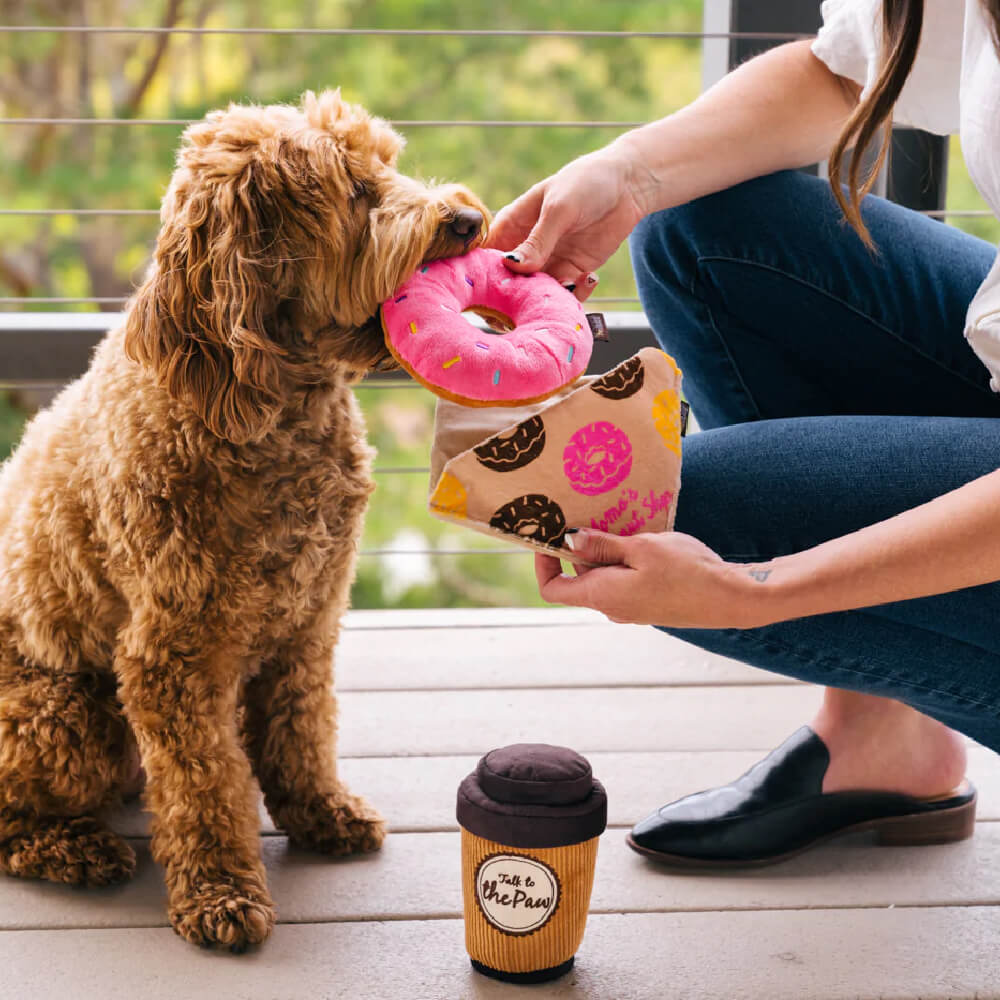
(399, 122)
(96, 29)
(937, 213)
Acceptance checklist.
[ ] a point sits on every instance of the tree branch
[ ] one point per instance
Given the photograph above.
(170, 18)
(10, 274)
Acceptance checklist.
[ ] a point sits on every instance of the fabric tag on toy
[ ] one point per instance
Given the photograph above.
(598, 328)
(605, 454)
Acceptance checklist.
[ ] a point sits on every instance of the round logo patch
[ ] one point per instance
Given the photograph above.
(516, 893)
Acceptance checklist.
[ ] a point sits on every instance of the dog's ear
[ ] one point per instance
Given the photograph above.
(358, 133)
(201, 318)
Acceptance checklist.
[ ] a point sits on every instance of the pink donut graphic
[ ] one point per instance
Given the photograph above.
(597, 458)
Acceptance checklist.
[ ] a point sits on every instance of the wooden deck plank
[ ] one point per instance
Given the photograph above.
(417, 794)
(418, 876)
(940, 954)
(586, 655)
(450, 619)
(401, 723)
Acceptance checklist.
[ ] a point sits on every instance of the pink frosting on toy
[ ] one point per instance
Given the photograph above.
(549, 347)
(597, 458)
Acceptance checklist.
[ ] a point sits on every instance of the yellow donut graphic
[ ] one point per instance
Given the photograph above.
(672, 363)
(450, 497)
(667, 419)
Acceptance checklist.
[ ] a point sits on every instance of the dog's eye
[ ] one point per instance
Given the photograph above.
(361, 189)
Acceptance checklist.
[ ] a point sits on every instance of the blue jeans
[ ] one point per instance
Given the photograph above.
(835, 390)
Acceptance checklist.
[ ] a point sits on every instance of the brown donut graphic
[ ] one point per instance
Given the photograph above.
(621, 382)
(513, 448)
(533, 517)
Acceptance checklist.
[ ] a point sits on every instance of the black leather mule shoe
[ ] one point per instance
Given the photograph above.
(778, 809)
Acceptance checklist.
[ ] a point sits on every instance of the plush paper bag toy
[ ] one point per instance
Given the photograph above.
(604, 454)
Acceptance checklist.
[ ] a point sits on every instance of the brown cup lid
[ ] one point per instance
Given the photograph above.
(533, 795)
(535, 772)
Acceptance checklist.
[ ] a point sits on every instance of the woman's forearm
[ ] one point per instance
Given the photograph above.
(947, 544)
(783, 109)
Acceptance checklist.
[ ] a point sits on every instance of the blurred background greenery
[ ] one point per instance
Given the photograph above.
(181, 76)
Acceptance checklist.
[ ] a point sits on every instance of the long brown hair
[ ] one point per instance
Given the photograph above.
(902, 22)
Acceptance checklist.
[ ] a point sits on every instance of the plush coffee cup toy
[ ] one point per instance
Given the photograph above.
(531, 815)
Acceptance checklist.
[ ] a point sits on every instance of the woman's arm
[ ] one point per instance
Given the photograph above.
(783, 109)
(672, 579)
(947, 544)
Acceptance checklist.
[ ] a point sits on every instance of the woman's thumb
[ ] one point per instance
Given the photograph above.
(596, 546)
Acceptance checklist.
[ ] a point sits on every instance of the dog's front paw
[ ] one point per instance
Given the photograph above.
(225, 914)
(337, 823)
(79, 851)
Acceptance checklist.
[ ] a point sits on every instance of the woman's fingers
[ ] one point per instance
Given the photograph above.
(582, 285)
(549, 574)
(586, 286)
(533, 252)
(598, 587)
(513, 222)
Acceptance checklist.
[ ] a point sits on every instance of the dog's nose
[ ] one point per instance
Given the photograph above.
(466, 224)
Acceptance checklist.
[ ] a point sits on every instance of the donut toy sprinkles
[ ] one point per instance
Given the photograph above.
(547, 346)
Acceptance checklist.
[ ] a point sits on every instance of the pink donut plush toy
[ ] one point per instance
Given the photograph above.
(539, 339)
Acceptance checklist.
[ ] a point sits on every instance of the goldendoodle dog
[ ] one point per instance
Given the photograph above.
(178, 531)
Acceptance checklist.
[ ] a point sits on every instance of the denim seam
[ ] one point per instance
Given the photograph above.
(955, 696)
(981, 387)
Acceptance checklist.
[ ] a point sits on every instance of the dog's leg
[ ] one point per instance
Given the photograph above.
(63, 752)
(290, 731)
(181, 701)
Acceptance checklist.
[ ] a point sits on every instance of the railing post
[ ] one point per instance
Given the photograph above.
(918, 164)
(918, 169)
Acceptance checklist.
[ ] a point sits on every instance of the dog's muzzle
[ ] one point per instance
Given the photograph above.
(466, 225)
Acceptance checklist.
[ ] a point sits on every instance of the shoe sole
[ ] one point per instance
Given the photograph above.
(946, 826)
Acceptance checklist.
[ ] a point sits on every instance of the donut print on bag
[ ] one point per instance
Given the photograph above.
(666, 419)
(624, 381)
(450, 496)
(513, 448)
(533, 517)
(597, 458)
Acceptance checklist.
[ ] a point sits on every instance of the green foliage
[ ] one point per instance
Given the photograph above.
(426, 78)
(402, 78)
(400, 420)
(12, 418)
(963, 196)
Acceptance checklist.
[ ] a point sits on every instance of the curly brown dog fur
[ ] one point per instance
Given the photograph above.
(178, 531)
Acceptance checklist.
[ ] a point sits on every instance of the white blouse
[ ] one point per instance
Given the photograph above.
(954, 87)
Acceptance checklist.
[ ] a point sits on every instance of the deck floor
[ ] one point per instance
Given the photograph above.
(423, 694)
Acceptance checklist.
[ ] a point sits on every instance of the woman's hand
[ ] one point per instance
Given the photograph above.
(657, 579)
(572, 222)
